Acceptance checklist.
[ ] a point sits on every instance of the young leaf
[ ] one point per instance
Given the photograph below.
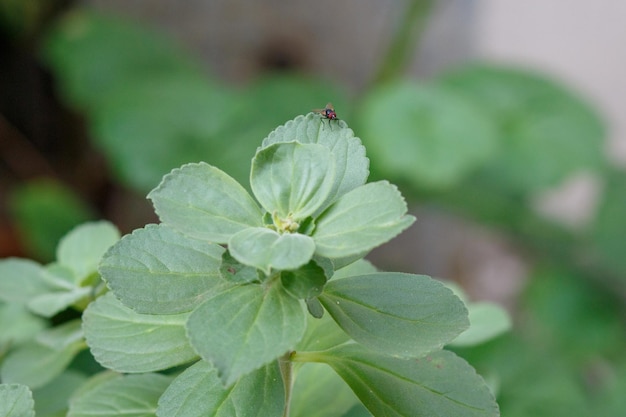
(265, 249)
(16, 401)
(361, 220)
(35, 364)
(156, 270)
(487, 320)
(51, 303)
(203, 202)
(292, 178)
(351, 164)
(198, 392)
(245, 327)
(305, 282)
(122, 396)
(82, 248)
(235, 272)
(440, 384)
(394, 313)
(123, 340)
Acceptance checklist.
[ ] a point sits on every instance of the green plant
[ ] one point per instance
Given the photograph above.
(218, 293)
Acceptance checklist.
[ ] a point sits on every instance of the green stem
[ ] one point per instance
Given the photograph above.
(286, 368)
(403, 43)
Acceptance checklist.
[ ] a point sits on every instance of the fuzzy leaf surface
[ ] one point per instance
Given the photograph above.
(201, 201)
(156, 270)
(438, 385)
(121, 396)
(292, 178)
(361, 220)
(396, 314)
(126, 341)
(244, 327)
(265, 249)
(16, 400)
(199, 392)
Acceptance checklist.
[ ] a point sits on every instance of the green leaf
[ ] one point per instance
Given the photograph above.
(265, 249)
(292, 180)
(44, 211)
(321, 334)
(122, 396)
(203, 202)
(62, 336)
(198, 392)
(156, 270)
(51, 303)
(305, 282)
(487, 320)
(35, 364)
(426, 134)
(18, 324)
(351, 164)
(21, 280)
(361, 220)
(82, 248)
(440, 384)
(235, 272)
(16, 401)
(546, 132)
(126, 341)
(360, 267)
(52, 399)
(319, 392)
(245, 327)
(394, 313)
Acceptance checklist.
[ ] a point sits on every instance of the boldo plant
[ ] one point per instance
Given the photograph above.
(260, 304)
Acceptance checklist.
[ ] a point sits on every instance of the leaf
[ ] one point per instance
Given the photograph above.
(546, 132)
(156, 270)
(35, 364)
(396, 314)
(440, 384)
(44, 211)
(203, 202)
(123, 396)
(21, 280)
(319, 392)
(351, 164)
(361, 220)
(265, 249)
(52, 399)
(62, 336)
(198, 392)
(82, 248)
(487, 321)
(245, 327)
(425, 134)
(321, 334)
(126, 341)
(16, 401)
(233, 271)
(49, 304)
(292, 180)
(305, 282)
(18, 324)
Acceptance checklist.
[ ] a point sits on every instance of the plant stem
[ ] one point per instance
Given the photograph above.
(404, 40)
(286, 367)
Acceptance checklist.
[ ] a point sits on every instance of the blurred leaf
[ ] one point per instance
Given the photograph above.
(546, 132)
(487, 320)
(52, 399)
(122, 396)
(16, 401)
(245, 327)
(396, 314)
(609, 228)
(199, 392)
(18, 324)
(319, 392)
(44, 212)
(425, 134)
(202, 201)
(156, 270)
(21, 280)
(126, 341)
(82, 248)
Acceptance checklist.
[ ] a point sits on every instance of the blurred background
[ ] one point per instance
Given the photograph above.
(503, 123)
